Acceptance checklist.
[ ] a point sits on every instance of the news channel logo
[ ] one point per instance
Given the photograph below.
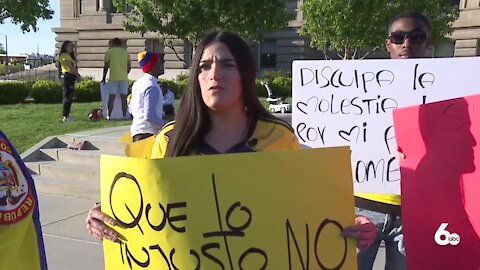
(444, 237)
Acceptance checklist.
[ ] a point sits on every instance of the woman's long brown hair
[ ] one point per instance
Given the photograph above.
(192, 121)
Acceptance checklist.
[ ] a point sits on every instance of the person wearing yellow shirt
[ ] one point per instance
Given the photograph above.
(220, 113)
(68, 67)
(117, 60)
(408, 38)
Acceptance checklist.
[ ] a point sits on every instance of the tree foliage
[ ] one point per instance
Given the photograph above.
(2, 49)
(25, 12)
(350, 25)
(190, 19)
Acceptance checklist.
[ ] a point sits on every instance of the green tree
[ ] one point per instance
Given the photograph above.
(2, 49)
(190, 19)
(25, 12)
(351, 25)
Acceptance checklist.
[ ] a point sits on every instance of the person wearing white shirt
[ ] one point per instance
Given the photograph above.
(146, 104)
(168, 101)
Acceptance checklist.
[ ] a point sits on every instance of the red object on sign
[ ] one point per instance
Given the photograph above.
(441, 183)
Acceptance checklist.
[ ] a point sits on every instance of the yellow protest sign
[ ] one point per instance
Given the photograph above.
(280, 210)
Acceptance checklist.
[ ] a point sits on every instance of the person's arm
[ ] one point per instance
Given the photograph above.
(71, 66)
(106, 66)
(59, 69)
(129, 65)
(150, 100)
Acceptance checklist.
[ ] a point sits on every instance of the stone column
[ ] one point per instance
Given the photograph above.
(101, 6)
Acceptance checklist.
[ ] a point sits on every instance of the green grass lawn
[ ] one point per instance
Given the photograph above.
(27, 124)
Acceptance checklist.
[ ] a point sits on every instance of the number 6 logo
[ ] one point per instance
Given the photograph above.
(449, 238)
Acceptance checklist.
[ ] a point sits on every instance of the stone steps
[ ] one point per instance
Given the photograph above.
(68, 186)
(62, 171)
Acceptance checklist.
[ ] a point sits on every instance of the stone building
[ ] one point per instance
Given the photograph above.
(467, 29)
(90, 24)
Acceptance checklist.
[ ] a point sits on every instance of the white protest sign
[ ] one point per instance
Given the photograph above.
(351, 102)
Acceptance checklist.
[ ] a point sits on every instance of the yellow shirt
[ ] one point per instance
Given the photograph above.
(118, 59)
(269, 135)
(383, 198)
(64, 58)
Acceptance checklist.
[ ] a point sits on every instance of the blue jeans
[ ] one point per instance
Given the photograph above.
(389, 229)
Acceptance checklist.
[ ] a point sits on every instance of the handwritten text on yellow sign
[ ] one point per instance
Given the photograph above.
(282, 210)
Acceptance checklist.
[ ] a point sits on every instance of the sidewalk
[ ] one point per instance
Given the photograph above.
(67, 243)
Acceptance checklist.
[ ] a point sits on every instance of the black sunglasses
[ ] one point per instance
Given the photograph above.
(416, 36)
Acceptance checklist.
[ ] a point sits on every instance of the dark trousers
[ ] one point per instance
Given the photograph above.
(168, 110)
(141, 136)
(68, 89)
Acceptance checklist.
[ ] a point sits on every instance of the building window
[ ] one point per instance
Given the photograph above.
(77, 8)
(455, 3)
(444, 49)
(113, 8)
(188, 54)
(268, 54)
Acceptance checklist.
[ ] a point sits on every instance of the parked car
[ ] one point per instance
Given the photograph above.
(282, 107)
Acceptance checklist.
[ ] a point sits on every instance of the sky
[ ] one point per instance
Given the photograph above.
(20, 43)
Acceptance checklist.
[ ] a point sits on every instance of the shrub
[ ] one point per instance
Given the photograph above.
(175, 89)
(279, 82)
(270, 75)
(182, 77)
(13, 92)
(182, 81)
(87, 90)
(29, 83)
(46, 91)
(282, 86)
(173, 86)
(88, 78)
(181, 87)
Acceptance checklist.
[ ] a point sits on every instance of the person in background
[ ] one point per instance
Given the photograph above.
(146, 104)
(68, 65)
(408, 38)
(220, 113)
(117, 60)
(168, 101)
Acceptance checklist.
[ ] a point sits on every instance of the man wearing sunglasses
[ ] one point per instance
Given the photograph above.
(408, 38)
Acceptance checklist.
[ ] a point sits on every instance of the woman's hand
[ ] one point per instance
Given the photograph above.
(96, 227)
(364, 231)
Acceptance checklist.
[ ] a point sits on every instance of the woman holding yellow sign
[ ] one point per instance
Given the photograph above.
(220, 113)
